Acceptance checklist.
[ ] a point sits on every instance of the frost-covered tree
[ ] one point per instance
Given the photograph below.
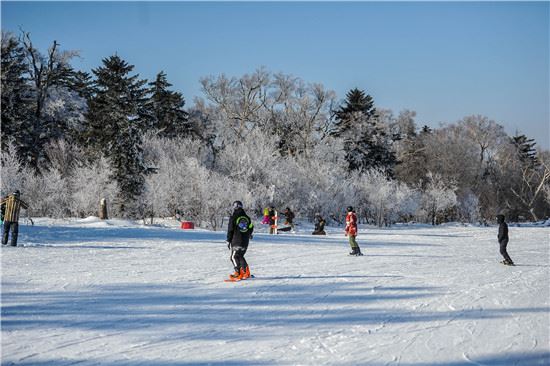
(14, 173)
(48, 75)
(410, 149)
(238, 102)
(300, 115)
(115, 126)
(439, 196)
(90, 183)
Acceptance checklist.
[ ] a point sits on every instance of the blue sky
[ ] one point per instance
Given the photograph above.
(445, 60)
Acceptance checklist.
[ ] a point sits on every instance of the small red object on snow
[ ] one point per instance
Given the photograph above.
(187, 225)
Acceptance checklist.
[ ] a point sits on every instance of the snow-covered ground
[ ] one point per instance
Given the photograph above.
(117, 293)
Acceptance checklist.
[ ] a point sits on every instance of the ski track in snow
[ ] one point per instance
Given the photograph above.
(87, 292)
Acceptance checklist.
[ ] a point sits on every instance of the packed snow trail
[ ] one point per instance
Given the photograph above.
(116, 293)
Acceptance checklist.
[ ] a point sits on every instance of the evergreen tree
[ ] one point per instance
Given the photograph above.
(16, 93)
(526, 151)
(357, 104)
(115, 126)
(165, 112)
(366, 143)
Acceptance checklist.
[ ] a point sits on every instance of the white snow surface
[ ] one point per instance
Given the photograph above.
(115, 292)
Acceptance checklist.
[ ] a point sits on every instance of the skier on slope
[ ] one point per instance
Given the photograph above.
(503, 240)
(351, 231)
(239, 232)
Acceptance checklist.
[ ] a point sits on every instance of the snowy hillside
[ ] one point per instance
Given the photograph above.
(117, 293)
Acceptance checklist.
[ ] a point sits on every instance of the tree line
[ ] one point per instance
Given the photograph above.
(70, 138)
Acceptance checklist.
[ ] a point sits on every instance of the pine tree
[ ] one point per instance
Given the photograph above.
(17, 110)
(165, 112)
(366, 143)
(115, 126)
(526, 151)
(357, 104)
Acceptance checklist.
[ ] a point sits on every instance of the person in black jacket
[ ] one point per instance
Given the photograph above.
(319, 225)
(272, 220)
(289, 215)
(239, 232)
(503, 240)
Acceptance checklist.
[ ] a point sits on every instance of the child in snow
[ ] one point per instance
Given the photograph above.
(351, 231)
(503, 240)
(239, 232)
(265, 220)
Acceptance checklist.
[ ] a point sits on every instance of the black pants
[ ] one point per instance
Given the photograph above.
(237, 258)
(14, 226)
(503, 252)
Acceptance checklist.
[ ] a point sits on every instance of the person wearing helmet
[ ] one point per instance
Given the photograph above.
(503, 240)
(351, 231)
(239, 233)
(11, 205)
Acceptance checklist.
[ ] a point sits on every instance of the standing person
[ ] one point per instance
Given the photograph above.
(289, 215)
(239, 232)
(503, 240)
(319, 225)
(272, 220)
(11, 205)
(265, 220)
(351, 231)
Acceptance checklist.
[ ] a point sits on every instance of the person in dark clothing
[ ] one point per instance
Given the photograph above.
(239, 233)
(272, 220)
(503, 240)
(319, 225)
(289, 218)
(10, 206)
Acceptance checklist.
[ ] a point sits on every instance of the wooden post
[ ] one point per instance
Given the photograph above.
(103, 209)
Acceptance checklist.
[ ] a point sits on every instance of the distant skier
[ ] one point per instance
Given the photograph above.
(351, 231)
(289, 215)
(239, 232)
(11, 205)
(272, 220)
(503, 240)
(319, 225)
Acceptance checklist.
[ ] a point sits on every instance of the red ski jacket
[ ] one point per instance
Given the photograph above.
(351, 224)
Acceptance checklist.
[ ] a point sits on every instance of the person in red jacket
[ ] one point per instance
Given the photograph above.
(351, 231)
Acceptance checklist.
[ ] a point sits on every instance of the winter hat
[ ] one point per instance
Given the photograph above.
(349, 209)
(237, 204)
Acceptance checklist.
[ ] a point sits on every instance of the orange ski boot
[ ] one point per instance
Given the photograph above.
(237, 276)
